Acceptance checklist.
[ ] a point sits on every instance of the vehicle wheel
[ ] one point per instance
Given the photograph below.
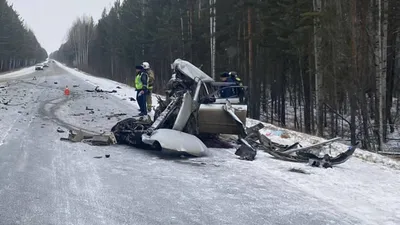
(156, 146)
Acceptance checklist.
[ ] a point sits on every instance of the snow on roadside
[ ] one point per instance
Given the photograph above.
(125, 91)
(18, 73)
(365, 187)
(334, 149)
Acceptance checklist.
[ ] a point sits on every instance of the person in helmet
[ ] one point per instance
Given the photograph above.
(235, 77)
(141, 84)
(226, 92)
(151, 80)
(239, 91)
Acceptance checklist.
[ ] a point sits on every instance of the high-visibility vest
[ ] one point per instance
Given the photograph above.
(238, 81)
(138, 81)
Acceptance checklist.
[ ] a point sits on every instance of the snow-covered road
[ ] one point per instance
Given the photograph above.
(46, 181)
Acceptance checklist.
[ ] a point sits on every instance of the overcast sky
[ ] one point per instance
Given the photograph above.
(51, 19)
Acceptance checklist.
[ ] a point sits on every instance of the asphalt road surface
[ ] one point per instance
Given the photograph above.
(47, 181)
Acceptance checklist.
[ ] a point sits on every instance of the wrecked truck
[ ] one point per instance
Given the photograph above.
(192, 108)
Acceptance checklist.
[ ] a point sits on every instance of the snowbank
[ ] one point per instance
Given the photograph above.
(274, 133)
(365, 187)
(18, 73)
(124, 92)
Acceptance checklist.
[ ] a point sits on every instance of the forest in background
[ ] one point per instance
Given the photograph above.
(324, 67)
(18, 44)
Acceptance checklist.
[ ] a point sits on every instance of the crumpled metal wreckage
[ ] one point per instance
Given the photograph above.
(192, 108)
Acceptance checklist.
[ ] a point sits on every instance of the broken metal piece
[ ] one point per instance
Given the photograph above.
(59, 130)
(115, 115)
(311, 146)
(246, 151)
(296, 170)
(174, 140)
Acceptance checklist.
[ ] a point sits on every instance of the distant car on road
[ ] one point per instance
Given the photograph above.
(39, 66)
(45, 64)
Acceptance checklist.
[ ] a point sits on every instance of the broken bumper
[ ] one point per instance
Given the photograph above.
(173, 140)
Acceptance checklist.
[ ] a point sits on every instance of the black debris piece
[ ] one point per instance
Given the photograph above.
(98, 157)
(59, 130)
(296, 170)
(115, 115)
(97, 89)
(107, 155)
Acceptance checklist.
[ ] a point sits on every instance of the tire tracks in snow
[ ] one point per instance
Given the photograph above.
(56, 103)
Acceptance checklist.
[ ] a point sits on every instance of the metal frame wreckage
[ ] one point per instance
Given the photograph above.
(193, 109)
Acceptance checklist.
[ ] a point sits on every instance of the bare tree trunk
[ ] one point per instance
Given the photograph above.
(212, 35)
(318, 71)
(378, 55)
(384, 70)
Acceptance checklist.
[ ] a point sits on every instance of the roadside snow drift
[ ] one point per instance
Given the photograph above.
(366, 186)
(17, 73)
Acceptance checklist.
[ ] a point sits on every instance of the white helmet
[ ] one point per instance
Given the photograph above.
(146, 65)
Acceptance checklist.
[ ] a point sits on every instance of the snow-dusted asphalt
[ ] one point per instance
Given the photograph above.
(46, 181)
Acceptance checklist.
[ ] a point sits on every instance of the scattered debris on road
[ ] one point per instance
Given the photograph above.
(97, 140)
(98, 157)
(6, 102)
(115, 115)
(87, 108)
(97, 89)
(78, 114)
(59, 130)
(132, 99)
(297, 170)
(75, 85)
(107, 155)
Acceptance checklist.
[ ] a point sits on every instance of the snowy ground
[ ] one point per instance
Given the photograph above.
(18, 73)
(46, 181)
(366, 187)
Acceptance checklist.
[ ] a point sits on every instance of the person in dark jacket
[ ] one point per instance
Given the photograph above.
(141, 82)
(238, 91)
(227, 92)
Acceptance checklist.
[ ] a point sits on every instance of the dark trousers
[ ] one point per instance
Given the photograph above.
(141, 99)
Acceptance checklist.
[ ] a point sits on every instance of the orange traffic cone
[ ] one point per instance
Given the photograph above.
(66, 91)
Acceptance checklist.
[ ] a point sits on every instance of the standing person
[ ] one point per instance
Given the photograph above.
(137, 78)
(141, 82)
(150, 73)
(239, 91)
(226, 92)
